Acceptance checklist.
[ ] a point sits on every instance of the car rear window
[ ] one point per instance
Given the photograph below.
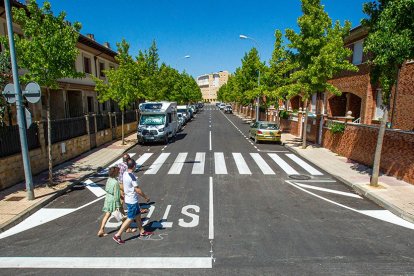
(269, 126)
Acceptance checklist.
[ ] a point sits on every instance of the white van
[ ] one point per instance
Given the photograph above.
(158, 122)
(184, 109)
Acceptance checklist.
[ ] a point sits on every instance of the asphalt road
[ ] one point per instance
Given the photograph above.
(220, 205)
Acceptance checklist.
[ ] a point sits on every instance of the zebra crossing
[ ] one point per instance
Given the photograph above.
(224, 163)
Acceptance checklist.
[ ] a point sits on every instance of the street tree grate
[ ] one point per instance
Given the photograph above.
(299, 177)
(14, 198)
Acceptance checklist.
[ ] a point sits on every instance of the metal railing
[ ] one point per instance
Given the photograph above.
(102, 121)
(9, 139)
(65, 129)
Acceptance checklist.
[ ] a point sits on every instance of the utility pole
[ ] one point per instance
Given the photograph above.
(19, 106)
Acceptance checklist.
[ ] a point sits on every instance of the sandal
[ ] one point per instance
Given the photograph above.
(131, 230)
(146, 233)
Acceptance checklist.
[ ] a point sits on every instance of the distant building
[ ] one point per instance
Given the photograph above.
(210, 84)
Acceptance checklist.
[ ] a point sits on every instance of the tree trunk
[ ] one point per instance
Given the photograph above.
(122, 128)
(49, 138)
(378, 149)
(305, 125)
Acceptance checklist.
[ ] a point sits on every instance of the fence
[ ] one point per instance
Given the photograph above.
(102, 122)
(65, 129)
(10, 139)
(130, 116)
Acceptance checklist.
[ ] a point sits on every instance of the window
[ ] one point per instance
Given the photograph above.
(90, 104)
(358, 52)
(87, 65)
(101, 69)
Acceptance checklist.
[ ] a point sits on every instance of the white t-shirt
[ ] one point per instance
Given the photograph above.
(130, 182)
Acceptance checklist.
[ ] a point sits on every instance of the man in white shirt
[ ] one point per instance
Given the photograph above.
(131, 192)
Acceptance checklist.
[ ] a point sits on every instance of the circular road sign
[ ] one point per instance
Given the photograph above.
(9, 94)
(32, 92)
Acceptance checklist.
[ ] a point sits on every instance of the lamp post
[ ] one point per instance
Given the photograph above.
(258, 79)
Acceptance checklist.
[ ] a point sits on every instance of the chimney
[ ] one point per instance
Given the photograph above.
(106, 44)
(90, 36)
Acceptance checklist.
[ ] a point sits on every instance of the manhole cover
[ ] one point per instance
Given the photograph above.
(14, 198)
(299, 177)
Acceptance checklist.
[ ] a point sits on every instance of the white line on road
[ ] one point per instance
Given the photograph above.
(154, 168)
(328, 190)
(241, 163)
(94, 188)
(199, 161)
(178, 163)
(263, 166)
(143, 158)
(211, 212)
(285, 166)
(304, 165)
(210, 140)
(219, 163)
(165, 223)
(106, 262)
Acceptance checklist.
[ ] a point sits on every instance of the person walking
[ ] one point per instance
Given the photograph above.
(112, 198)
(131, 191)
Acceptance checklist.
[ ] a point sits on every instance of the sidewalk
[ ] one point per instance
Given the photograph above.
(395, 195)
(14, 206)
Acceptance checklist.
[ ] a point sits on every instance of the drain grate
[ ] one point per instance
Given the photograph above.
(14, 198)
(299, 176)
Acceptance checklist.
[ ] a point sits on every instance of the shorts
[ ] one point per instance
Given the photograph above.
(133, 210)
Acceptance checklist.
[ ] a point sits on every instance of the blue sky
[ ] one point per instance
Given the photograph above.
(208, 31)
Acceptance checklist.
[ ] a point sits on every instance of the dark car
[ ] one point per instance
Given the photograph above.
(228, 109)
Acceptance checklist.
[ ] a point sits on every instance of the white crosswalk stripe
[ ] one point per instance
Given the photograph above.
(178, 163)
(241, 163)
(304, 165)
(154, 168)
(263, 166)
(199, 161)
(285, 166)
(219, 163)
(141, 160)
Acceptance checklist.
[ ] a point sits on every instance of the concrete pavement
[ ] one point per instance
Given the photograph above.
(14, 206)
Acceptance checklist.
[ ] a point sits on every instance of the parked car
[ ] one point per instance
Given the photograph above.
(181, 120)
(218, 104)
(222, 106)
(265, 131)
(185, 111)
(228, 109)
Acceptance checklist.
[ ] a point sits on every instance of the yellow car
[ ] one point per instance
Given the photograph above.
(265, 131)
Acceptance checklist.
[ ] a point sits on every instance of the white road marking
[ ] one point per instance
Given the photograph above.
(106, 262)
(263, 166)
(304, 165)
(154, 168)
(143, 158)
(241, 163)
(328, 190)
(211, 212)
(282, 164)
(147, 218)
(210, 140)
(383, 215)
(165, 223)
(199, 161)
(94, 188)
(219, 163)
(178, 163)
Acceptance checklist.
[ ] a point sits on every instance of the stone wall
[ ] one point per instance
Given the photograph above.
(11, 167)
(358, 143)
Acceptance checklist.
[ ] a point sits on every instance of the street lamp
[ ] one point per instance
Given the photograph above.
(258, 79)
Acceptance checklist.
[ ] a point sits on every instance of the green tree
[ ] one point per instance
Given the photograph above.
(280, 64)
(389, 44)
(47, 49)
(5, 77)
(123, 84)
(320, 54)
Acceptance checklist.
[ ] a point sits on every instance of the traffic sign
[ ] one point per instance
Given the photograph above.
(9, 93)
(32, 92)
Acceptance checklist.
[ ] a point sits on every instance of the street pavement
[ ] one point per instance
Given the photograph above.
(220, 205)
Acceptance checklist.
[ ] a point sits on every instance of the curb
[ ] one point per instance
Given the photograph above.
(366, 193)
(34, 208)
